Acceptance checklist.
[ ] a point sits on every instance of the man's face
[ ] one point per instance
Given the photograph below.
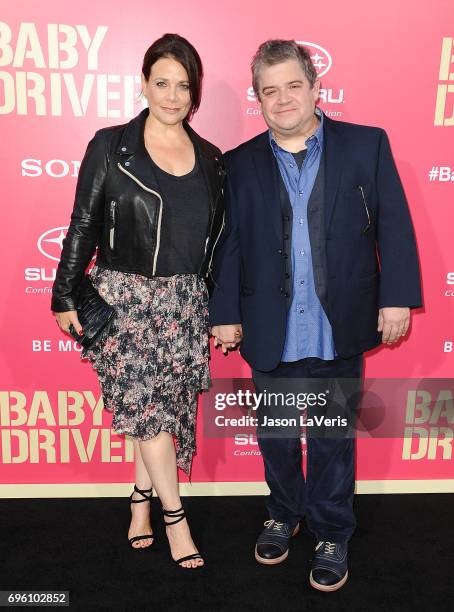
(286, 97)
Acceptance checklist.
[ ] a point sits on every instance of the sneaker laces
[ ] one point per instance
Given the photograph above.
(274, 524)
(330, 547)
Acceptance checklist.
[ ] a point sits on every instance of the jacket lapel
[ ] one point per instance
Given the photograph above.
(333, 164)
(207, 164)
(135, 159)
(133, 154)
(267, 176)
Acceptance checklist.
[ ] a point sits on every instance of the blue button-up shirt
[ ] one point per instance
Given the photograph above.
(309, 332)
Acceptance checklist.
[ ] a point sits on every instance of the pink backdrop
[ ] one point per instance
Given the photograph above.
(66, 71)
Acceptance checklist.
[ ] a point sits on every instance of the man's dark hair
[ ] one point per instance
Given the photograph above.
(276, 51)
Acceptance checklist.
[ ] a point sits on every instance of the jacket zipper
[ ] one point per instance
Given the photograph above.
(158, 235)
(212, 220)
(366, 229)
(211, 227)
(112, 225)
(215, 243)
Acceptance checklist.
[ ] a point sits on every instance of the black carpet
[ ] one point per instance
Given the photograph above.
(400, 558)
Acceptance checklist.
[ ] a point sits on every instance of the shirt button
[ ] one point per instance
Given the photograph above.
(127, 163)
(302, 253)
(300, 192)
(301, 221)
(302, 311)
(123, 148)
(302, 282)
(292, 165)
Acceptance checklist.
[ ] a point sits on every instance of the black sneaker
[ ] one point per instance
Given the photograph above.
(329, 567)
(272, 544)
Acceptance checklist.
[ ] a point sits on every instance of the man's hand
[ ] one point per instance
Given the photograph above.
(227, 336)
(394, 323)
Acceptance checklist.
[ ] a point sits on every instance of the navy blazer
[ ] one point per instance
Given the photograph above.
(369, 244)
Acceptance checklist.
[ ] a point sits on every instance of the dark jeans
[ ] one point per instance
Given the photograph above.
(325, 497)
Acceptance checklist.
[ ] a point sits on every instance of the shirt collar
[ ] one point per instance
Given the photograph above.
(317, 136)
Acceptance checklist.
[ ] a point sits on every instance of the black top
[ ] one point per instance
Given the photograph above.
(184, 225)
(299, 157)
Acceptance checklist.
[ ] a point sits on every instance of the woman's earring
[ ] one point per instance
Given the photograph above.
(142, 98)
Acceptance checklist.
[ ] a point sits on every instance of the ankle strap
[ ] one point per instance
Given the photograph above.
(179, 515)
(143, 493)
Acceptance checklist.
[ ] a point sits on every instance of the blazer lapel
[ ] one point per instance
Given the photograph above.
(333, 164)
(268, 178)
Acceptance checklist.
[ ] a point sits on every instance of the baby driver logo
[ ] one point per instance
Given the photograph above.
(62, 427)
(444, 107)
(41, 73)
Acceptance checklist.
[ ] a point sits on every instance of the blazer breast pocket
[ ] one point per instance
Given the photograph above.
(358, 208)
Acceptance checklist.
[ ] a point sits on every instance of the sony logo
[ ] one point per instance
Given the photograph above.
(56, 168)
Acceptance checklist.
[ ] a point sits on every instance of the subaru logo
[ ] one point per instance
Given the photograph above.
(320, 57)
(50, 243)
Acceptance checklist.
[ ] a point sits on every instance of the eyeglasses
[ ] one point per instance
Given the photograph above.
(369, 222)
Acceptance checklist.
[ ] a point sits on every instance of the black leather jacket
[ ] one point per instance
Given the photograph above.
(119, 210)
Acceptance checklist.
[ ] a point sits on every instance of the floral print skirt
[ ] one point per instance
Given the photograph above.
(153, 360)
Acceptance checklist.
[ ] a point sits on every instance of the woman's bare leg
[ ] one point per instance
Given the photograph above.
(159, 457)
(140, 513)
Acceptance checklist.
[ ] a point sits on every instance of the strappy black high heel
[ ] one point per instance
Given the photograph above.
(146, 497)
(179, 515)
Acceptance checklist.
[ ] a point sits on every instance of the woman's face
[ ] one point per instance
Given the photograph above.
(167, 91)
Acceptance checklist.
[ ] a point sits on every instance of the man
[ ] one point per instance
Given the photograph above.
(317, 265)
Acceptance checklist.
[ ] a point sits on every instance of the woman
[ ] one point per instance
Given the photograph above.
(149, 197)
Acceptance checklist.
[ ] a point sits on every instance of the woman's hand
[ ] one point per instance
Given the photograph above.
(227, 336)
(65, 319)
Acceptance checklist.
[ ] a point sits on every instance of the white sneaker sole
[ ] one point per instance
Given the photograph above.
(270, 561)
(277, 559)
(328, 589)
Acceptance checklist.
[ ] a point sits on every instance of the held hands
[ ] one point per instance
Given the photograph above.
(394, 323)
(65, 319)
(227, 336)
